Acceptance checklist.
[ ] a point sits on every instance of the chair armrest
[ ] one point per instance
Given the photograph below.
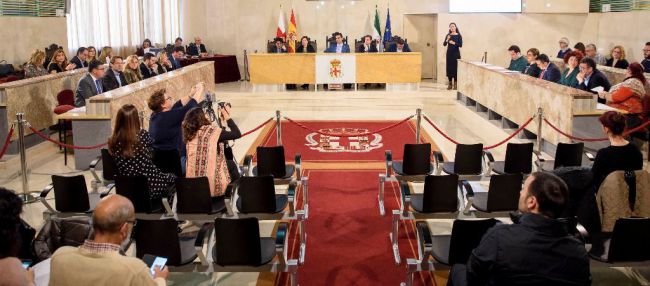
(107, 192)
(281, 237)
(298, 162)
(468, 188)
(43, 196)
(93, 167)
(206, 228)
(406, 197)
(231, 190)
(489, 156)
(583, 232)
(389, 162)
(439, 161)
(590, 156)
(425, 246)
(248, 163)
(291, 194)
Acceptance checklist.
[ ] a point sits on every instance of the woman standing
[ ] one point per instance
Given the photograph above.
(453, 41)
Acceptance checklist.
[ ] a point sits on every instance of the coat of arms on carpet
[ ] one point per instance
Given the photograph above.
(353, 144)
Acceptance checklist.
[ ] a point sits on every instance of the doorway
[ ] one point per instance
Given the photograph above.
(420, 31)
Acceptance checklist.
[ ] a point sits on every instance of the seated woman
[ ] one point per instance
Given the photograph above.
(132, 69)
(92, 54)
(572, 60)
(59, 63)
(167, 117)
(532, 69)
(34, 66)
(11, 269)
(106, 55)
(617, 58)
(146, 46)
(620, 155)
(628, 95)
(205, 143)
(131, 150)
(164, 64)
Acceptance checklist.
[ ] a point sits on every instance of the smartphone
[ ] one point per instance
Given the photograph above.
(26, 263)
(154, 261)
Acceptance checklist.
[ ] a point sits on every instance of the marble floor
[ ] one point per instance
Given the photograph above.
(251, 109)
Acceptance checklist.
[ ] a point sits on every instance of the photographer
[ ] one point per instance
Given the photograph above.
(206, 142)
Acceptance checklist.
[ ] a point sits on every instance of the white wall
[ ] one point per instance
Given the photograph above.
(24, 34)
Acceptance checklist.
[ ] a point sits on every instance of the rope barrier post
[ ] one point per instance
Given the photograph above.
(278, 127)
(540, 120)
(417, 127)
(20, 123)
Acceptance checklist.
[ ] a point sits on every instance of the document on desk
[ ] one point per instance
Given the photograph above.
(598, 89)
(42, 272)
(601, 106)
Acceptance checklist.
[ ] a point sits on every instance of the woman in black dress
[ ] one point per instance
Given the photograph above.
(453, 41)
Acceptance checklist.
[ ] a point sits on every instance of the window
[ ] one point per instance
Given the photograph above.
(37, 8)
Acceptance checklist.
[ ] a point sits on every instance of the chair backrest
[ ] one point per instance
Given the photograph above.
(57, 232)
(417, 159)
(108, 165)
(136, 189)
(158, 238)
(519, 158)
(621, 197)
(465, 236)
(193, 195)
(270, 162)
(237, 242)
(440, 194)
(71, 193)
(257, 194)
(630, 240)
(65, 97)
(330, 40)
(503, 194)
(168, 161)
(569, 155)
(468, 159)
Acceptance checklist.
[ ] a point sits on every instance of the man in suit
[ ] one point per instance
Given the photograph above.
(339, 46)
(399, 47)
(646, 58)
(148, 67)
(114, 77)
(368, 45)
(197, 48)
(517, 61)
(589, 77)
(79, 60)
(280, 47)
(178, 43)
(550, 71)
(91, 84)
(175, 57)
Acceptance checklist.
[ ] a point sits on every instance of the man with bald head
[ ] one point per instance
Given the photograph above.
(98, 261)
(197, 48)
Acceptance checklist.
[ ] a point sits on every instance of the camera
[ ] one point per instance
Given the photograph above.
(223, 104)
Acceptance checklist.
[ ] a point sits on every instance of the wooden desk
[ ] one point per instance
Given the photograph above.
(301, 68)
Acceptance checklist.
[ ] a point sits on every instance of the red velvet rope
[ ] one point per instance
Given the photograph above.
(521, 128)
(347, 135)
(40, 134)
(628, 132)
(258, 127)
(4, 148)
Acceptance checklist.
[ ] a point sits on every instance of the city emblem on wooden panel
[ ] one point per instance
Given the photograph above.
(334, 144)
(335, 69)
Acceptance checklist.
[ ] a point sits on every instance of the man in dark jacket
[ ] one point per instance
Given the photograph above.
(550, 71)
(114, 77)
(589, 78)
(91, 84)
(535, 250)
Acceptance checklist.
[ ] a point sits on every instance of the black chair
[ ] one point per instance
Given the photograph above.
(168, 161)
(566, 155)
(57, 232)
(519, 159)
(70, 196)
(194, 201)
(415, 166)
(447, 249)
(136, 189)
(109, 169)
(501, 198)
(161, 238)
(468, 162)
(240, 248)
(439, 200)
(628, 242)
(271, 162)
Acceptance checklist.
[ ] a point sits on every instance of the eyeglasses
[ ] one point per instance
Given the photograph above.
(169, 98)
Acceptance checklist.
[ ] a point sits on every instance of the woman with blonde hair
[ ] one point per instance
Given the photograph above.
(132, 69)
(106, 55)
(92, 54)
(34, 66)
(59, 63)
(617, 58)
(164, 65)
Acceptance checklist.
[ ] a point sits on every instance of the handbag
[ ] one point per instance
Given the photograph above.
(5, 68)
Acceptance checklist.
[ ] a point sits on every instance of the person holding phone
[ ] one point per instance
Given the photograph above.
(453, 42)
(98, 261)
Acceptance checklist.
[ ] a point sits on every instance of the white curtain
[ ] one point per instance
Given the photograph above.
(122, 24)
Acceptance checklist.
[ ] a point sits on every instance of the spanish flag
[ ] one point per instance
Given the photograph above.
(292, 33)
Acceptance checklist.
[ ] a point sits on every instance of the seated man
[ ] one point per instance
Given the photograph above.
(399, 47)
(339, 46)
(79, 60)
(91, 84)
(535, 250)
(368, 45)
(592, 52)
(178, 43)
(114, 77)
(98, 261)
(148, 67)
(197, 48)
(590, 77)
(175, 58)
(280, 47)
(550, 71)
(646, 58)
(517, 60)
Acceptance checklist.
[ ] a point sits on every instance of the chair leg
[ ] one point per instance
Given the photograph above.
(293, 274)
(305, 195)
(380, 197)
(303, 240)
(393, 236)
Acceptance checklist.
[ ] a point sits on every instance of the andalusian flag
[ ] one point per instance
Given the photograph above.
(292, 33)
(376, 32)
(281, 32)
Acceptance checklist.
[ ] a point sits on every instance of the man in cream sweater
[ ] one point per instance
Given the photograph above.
(98, 262)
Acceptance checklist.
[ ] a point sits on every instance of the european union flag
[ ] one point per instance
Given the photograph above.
(387, 32)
